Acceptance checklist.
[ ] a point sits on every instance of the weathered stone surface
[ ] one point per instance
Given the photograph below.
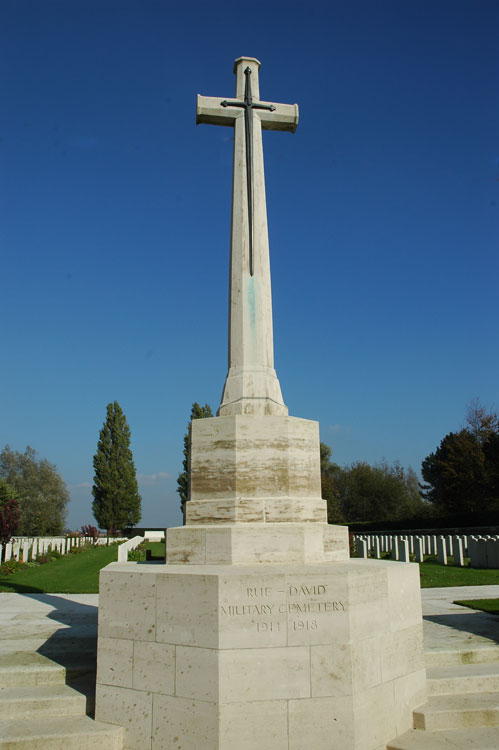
(255, 469)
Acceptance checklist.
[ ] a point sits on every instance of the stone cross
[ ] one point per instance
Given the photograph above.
(251, 386)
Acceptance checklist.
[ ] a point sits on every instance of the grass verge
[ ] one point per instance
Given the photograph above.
(70, 574)
(485, 605)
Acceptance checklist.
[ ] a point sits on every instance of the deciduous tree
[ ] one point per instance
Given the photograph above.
(117, 503)
(328, 485)
(41, 492)
(9, 515)
(377, 493)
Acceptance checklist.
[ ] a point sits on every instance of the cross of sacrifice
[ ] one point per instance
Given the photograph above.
(251, 386)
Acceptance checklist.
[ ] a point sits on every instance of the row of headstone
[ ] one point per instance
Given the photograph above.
(26, 549)
(483, 551)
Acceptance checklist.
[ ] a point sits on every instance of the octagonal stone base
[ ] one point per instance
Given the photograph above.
(250, 469)
(266, 657)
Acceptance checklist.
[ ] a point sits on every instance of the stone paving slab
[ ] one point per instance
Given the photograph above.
(450, 627)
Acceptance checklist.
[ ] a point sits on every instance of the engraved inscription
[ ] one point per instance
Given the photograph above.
(301, 600)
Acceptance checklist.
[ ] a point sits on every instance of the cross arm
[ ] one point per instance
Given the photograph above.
(209, 110)
(283, 117)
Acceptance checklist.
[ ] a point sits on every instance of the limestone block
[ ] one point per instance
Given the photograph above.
(153, 667)
(199, 725)
(366, 663)
(185, 610)
(374, 717)
(308, 727)
(403, 652)
(409, 689)
(180, 723)
(252, 610)
(404, 596)
(368, 604)
(262, 725)
(255, 468)
(115, 662)
(331, 670)
(131, 709)
(197, 673)
(127, 604)
(270, 674)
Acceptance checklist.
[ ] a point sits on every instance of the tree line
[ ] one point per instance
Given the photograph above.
(460, 476)
(34, 497)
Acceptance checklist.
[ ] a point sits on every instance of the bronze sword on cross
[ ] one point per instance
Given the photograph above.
(249, 105)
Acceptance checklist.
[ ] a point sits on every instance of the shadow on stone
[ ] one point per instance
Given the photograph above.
(73, 646)
(476, 623)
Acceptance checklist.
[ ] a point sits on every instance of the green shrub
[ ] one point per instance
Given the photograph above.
(10, 566)
(138, 554)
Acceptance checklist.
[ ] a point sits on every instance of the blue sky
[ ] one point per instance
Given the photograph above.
(115, 217)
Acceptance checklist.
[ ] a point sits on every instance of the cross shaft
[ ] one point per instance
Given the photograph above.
(251, 386)
(248, 105)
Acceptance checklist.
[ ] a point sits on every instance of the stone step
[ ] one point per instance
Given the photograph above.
(463, 678)
(458, 711)
(476, 655)
(18, 672)
(59, 733)
(479, 738)
(21, 668)
(41, 700)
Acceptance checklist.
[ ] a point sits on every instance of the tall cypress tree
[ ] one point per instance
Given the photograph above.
(197, 412)
(116, 504)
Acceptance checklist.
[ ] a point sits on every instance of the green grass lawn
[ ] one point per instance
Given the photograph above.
(70, 574)
(434, 575)
(485, 605)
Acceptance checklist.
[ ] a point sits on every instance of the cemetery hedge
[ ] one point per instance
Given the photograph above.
(486, 522)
